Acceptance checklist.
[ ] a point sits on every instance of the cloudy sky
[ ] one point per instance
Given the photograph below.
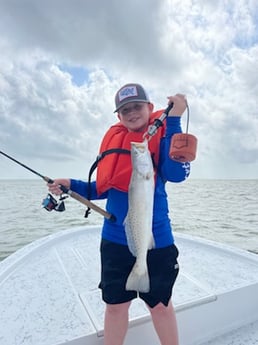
(62, 61)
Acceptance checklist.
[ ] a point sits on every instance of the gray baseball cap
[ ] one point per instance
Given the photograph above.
(130, 93)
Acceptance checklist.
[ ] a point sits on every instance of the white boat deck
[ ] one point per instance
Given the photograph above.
(49, 294)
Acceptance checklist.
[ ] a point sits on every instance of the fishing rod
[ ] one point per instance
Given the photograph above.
(50, 203)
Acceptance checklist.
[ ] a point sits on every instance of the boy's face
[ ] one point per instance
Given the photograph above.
(135, 116)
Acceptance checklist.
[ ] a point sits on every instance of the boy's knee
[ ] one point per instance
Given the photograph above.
(117, 309)
(160, 309)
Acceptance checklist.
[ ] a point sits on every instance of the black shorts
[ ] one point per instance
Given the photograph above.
(116, 264)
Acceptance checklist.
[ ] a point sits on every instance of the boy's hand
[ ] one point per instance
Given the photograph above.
(180, 104)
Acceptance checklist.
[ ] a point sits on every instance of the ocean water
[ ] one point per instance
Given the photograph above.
(221, 210)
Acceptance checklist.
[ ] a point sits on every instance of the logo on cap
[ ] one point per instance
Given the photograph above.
(129, 91)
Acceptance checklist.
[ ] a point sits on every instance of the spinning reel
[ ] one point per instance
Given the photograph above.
(50, 203)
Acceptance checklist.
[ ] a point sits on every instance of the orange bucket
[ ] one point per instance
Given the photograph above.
(183, 147)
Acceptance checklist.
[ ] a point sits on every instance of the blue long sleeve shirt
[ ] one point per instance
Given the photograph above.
(117, 201)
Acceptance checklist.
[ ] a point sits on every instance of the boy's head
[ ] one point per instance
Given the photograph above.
(133, 107)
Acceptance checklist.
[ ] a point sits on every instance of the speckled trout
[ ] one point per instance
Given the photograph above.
(138, 222)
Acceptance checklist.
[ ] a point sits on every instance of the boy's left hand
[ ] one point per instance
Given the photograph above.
(180, 103)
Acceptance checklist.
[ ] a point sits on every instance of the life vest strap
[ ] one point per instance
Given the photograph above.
(94, 166)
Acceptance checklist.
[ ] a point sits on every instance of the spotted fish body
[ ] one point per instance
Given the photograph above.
(138, 222)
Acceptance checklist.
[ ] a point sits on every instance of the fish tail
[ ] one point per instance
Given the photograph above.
(138, 280)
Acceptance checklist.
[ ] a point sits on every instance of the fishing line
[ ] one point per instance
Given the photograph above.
(50, 203)
(183, 146)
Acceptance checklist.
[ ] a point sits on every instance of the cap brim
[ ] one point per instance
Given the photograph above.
(131, 101)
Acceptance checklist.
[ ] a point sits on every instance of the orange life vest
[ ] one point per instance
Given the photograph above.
(114, 170)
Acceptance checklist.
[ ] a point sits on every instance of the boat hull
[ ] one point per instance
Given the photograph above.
(49, 292)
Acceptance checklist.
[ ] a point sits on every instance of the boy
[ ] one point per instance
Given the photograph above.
(135, 114)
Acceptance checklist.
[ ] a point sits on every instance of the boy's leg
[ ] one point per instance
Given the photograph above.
(165, 323)
(116, 323)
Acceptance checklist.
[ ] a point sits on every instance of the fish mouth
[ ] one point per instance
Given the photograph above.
(137, 144)
(141, 146)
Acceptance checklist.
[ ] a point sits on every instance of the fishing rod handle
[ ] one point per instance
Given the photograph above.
(83, 200)
(169, 107)
(159, 122)
(91, 205)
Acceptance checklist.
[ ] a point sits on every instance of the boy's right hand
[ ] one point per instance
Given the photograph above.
(54, 187)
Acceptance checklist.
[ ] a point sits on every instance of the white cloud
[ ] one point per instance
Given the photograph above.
(207, 50)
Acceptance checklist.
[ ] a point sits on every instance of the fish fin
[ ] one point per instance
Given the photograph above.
(138, 281)
(152, 243)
